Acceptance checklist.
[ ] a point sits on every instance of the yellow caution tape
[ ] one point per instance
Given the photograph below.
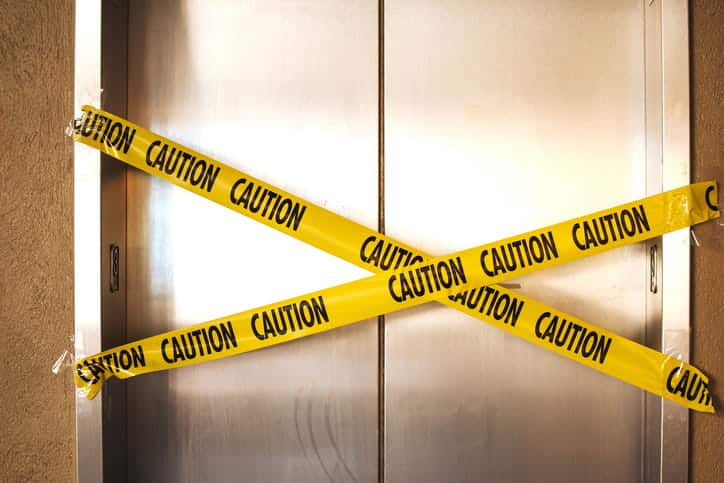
(462, 280)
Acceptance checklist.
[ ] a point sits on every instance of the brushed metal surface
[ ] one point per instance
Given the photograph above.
(87, 262)
(676, 246)
(653, 41)
(114, 76)
(503, 116)
(573, 106)
(287, 92)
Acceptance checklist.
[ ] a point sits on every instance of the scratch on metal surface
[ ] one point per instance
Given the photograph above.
(314, 442)
(328, 426)
(297, 425)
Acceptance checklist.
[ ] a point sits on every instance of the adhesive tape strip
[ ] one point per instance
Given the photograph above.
(437, 279)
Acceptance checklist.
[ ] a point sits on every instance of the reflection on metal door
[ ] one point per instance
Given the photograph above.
(286, 91)
(498, 116)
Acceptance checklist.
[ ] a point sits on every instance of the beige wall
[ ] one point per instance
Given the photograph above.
(36, 235)
(707, 78)
(36, 286)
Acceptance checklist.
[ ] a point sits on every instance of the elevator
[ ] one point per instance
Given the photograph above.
(445, 124)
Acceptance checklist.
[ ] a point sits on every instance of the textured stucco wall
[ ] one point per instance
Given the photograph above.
(707, 78)
(36, 229)
(36, 79)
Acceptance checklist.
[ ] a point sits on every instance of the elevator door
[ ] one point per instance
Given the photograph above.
(496, 117)
(501, 117)
(286, 91)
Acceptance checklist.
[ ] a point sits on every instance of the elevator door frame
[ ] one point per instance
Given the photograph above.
(100, 192)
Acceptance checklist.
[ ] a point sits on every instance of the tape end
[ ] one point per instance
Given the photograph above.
(88, 384)
(89, 391)
(711, 197)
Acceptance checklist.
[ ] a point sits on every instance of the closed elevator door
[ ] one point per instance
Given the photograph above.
(286, 91)
(499, 117)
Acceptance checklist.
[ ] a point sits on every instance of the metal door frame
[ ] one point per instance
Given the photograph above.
(99, 200)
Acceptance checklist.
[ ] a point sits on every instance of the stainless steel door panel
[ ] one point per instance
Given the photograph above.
(500, 117)
(285, 91)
